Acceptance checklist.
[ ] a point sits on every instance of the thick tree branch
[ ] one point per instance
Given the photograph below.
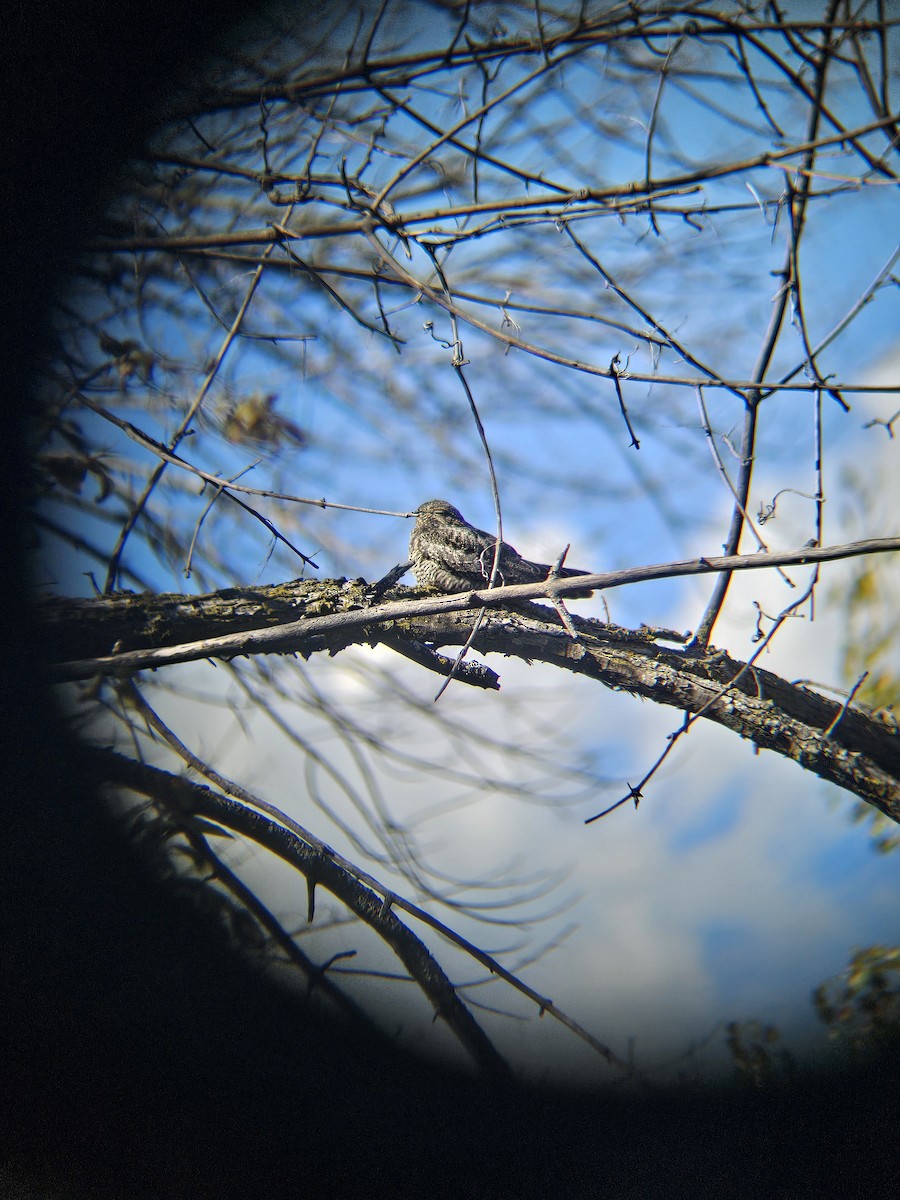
(321, 866)
(127, 633)
(363, 895)
(859, 752)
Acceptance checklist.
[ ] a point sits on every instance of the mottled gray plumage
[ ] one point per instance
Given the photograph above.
(451, 555)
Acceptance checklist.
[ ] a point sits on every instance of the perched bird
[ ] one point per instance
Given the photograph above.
(449, 554)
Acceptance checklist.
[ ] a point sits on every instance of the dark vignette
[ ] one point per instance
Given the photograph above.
(140, 1055)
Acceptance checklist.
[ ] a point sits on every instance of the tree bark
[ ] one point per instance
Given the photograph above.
(848, 745)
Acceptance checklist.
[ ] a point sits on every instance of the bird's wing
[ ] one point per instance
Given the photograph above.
(513, 568)
(467, 552)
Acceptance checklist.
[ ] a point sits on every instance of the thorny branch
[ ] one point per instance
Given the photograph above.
(358, 890)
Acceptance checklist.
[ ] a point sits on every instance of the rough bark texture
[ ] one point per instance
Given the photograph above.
(856, 749)
(116, 635)
(102, 625)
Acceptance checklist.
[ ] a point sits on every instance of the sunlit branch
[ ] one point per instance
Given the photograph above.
(301, 636)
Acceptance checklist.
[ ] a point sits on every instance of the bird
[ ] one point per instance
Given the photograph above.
(450, 555)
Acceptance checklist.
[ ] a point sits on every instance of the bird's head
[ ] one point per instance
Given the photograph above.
(438, 508)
